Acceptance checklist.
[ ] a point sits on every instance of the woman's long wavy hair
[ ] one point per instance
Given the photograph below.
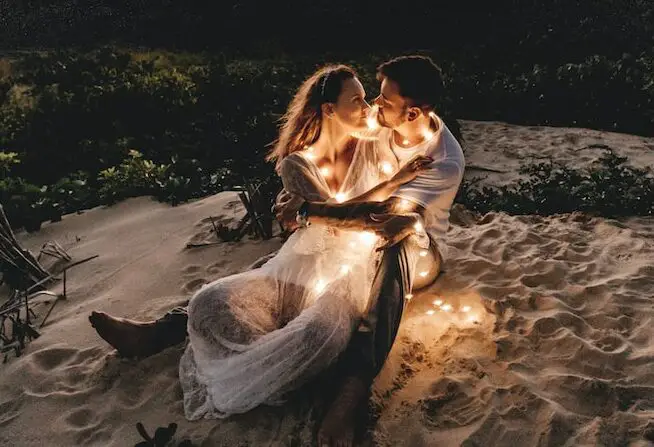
(300, 126)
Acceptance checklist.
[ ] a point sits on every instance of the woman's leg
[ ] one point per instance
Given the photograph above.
(233, 312)
(247, 349)
(144, 338)
(141, 338)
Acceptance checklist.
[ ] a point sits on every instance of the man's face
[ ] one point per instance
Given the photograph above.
(392, 106)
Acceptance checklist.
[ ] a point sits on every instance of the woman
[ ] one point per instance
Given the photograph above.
(256, 335)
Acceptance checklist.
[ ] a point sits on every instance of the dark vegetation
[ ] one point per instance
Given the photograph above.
(179, 100)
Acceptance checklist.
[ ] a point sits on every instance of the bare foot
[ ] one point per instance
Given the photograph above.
(130, 338)
(337, 429)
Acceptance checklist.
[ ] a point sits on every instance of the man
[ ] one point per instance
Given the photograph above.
(413, 220)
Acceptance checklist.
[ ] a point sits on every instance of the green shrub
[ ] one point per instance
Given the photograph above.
(135, 176)
(609, 188)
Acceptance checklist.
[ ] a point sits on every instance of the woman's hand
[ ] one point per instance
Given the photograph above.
(286, 207)
(411, 169)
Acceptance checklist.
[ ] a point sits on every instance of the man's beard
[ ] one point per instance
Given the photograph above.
(381, 119)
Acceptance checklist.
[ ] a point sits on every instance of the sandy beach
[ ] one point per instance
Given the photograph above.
(538, 334)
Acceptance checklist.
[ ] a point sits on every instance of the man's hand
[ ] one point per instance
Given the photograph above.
(394, 227)
(414, 167)
(286, 207)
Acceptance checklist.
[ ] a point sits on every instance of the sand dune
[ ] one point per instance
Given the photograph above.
(505, 148)
(548, 340)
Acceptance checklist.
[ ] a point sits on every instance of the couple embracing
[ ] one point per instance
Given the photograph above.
(370, 213)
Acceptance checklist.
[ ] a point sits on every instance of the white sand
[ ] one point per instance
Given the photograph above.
(506, 147)
(562, 353)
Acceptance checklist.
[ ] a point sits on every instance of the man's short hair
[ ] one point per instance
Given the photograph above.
(418, 78)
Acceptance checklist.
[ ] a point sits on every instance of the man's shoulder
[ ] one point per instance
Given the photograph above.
(452, 150)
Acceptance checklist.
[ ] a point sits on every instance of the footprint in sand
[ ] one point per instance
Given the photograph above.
(610, 343)
(191, 270)
(217, 267)
(9, 410)
(451, 405)
(61, 370)
(80, 417)
(194, 285)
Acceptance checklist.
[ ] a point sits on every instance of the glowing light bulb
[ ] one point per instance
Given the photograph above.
(325, 172)
(368, 237)
(340, 197)
(418, 227)
(404, 205)
(423, 274)
(345, 269)
(371, 121)
(430, 312)
(466, 309)
(386, 167)
(447, 307)
(408, 296)
(423, 253)
(437, 302)
(320, 285)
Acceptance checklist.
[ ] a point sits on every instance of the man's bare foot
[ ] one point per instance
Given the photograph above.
(130, 338)
(337, 429)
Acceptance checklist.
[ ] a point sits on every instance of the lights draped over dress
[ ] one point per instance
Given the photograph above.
(256, 335)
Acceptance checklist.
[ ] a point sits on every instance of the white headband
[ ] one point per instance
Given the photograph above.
(324, 81)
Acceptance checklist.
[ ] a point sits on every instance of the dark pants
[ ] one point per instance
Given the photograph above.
(370, 343)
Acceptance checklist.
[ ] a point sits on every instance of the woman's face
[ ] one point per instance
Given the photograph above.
(351, 108)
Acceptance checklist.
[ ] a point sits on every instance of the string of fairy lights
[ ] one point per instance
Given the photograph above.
(370, 239)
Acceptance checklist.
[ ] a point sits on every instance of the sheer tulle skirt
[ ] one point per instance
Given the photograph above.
(256, 335)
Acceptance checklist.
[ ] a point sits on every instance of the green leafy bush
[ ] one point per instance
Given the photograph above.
(135, 176)
(609, 188)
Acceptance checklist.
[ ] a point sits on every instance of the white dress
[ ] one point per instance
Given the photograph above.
(256, 335)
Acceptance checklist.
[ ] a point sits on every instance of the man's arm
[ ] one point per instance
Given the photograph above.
(357, 215)
(352, 215)
(348, 215)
